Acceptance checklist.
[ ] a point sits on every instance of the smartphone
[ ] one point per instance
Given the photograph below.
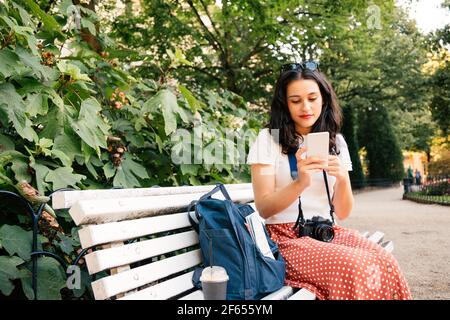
(317, 145)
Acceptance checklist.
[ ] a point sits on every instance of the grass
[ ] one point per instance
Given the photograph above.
(423, 198)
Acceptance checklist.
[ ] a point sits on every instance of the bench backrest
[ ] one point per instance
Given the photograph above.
(144, 245)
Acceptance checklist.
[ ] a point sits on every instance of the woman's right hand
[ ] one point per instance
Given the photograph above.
(306, 167)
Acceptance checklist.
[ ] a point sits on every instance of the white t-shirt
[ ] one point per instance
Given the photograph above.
(314, 198)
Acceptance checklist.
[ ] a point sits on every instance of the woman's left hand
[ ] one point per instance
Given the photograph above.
(335, 168)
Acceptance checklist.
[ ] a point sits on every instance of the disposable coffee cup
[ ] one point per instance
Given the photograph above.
(214, 283)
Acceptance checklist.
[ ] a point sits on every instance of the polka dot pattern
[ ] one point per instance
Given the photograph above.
(350, 267)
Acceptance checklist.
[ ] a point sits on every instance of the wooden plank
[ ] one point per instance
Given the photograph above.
(127, 254)
(109, 210)
(196, 295)
(388, 246)
(303, 294)
(66, 199)
(128, 280)
(365, 234)
(120, 268)
(281, 294)
(164, 290)
(92, 235)
(376, 237)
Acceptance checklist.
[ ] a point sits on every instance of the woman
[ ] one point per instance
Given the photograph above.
(349, 266)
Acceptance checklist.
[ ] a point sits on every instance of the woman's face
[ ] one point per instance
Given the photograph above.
(305, 104)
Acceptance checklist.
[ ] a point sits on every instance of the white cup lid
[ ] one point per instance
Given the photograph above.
(214, 274)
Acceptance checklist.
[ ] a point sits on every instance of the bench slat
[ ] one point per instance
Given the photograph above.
(281, 294)
(127, 254)
(66, 199)
(365, 234)
(196, 295)
(101, 211)
(92, 235)
(303, 294)
(128, 280)
(164, 290)
(388, 246)
(376, 237)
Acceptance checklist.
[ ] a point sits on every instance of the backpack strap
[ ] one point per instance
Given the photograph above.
(193, 216)
(219, 187)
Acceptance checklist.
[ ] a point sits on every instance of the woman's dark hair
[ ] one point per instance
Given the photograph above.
(329, 120)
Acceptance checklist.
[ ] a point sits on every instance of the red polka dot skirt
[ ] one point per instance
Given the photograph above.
(350, 267)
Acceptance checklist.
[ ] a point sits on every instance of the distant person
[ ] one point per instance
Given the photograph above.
(418, 177)
(409, 174)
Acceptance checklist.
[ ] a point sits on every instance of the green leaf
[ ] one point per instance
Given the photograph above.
(65, 160)
(26, 18)
(90, 126)
(51, 279)
(36, 104)
(53, 124)
(194, 181)
(8, 272)
(123, 180)
(127, 174)
(85, 23)
(11, 64)
(91, 169)
(6, 143)
(41, 172)
(190, 169)
(65, 244)
(20, 169)
(42, 72)
(44, 145)
(167, 101)
(191, 100)
(159, 143)
(11, 104)
(73, 71)
(109, 170)
(69, 145)
(16, 240)
(49, 22)
(63, 177)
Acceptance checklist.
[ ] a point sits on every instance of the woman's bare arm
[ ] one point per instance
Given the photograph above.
(267, 201)
(343, 197)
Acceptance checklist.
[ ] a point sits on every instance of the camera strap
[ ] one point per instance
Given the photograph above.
(294, 174)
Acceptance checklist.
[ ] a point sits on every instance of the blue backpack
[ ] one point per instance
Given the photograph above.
(225, 241)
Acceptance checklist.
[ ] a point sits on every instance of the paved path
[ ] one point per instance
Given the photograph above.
(421, 235)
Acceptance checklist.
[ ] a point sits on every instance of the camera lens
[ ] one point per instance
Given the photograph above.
(325, 233)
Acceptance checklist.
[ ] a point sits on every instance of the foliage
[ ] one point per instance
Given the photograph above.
(72, 116)
(384, 157)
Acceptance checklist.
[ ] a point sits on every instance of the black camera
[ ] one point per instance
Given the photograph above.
(318, 228)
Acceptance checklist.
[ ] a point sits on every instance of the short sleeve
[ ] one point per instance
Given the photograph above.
(264, 150)
(344, 154)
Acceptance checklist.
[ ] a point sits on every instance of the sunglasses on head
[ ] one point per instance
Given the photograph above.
(309, 65)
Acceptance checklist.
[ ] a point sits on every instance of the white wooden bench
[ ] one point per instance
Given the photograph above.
(144, 241)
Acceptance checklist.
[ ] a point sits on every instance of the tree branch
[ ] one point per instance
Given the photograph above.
(256, 49)
(90, 39)
(211, 38)
(209, 16)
